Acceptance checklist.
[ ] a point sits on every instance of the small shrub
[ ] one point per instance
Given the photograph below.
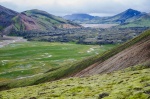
(103, 95)
(33, 98)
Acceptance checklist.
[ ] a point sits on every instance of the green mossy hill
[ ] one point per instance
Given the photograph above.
(48, 21)
(131, 83)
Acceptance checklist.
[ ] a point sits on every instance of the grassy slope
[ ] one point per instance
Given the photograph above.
(46, 20)
(131, 83)
(34, 58)
(104, 56)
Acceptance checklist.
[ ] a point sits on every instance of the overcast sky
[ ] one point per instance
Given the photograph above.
(63, 7)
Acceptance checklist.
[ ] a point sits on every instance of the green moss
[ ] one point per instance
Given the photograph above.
(118, 85)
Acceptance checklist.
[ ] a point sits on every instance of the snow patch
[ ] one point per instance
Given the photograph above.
(90, 50)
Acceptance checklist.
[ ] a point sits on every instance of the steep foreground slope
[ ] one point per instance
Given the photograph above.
(133, 55)
(131, 83)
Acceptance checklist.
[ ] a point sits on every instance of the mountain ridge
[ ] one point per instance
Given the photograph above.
(127, 16)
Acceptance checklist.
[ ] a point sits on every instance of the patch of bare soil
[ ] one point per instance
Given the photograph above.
(30, 24)
(7, 40)
(136, 54)
(69, 26)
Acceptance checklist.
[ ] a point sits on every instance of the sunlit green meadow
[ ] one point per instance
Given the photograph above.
(20, 60)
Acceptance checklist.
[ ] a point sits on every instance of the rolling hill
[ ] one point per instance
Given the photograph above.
(48, 21)
(31, 20)
(132, 82)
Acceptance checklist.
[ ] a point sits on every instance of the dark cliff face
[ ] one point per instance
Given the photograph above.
(6, 16)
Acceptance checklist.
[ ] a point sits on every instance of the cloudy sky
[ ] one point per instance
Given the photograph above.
(63, 7)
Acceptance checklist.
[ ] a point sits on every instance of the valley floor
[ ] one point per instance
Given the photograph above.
(20, 60)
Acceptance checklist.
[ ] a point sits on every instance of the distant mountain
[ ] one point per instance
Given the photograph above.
(82, 18)
(5, 17)
(143, 21)
(79, 17)
(31, 20)
(127, 16)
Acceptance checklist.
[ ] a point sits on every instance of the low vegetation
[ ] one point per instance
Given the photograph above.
(83, 35)
(131, 83)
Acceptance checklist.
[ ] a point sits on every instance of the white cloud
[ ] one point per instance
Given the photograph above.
(78, 6)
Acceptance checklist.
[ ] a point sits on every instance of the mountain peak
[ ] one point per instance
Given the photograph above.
(130, 9)
(128, 14)
(132, 12)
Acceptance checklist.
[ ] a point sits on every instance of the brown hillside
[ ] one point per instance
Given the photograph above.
(30, 24)
(136, 54)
